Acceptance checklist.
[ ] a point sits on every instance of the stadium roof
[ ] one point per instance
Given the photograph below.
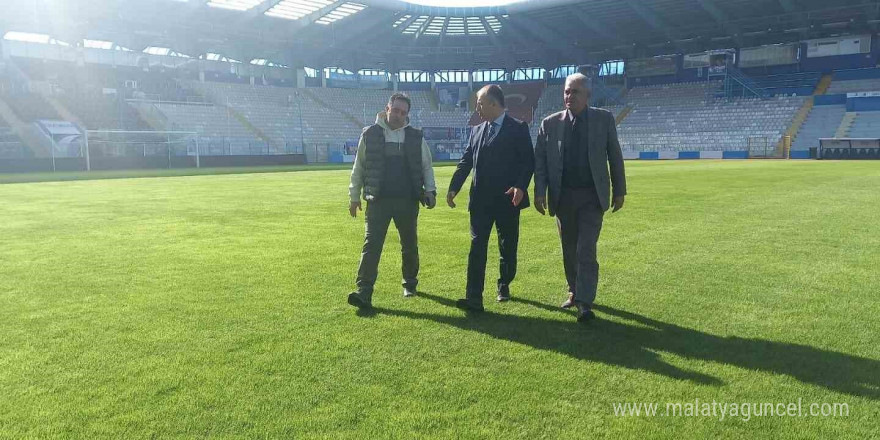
(462, 3)
(417, 34)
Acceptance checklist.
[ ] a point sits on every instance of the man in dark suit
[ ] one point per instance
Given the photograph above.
(575, 149)
(500, 153)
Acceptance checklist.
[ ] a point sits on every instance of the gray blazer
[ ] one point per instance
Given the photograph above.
(604, 154)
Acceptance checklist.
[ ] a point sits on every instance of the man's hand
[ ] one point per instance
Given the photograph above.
(450, 199)
(430, 200)
(616, 203)
(540, 204)
(354, 207)
(517, 195)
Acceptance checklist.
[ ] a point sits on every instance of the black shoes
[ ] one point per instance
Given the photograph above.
(585, 313)
(584, 310)
(356, 300)
(468, 305)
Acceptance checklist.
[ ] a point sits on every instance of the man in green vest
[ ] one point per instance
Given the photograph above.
(393, 169)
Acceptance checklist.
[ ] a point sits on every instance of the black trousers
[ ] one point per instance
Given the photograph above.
(379, 214)
(579, 218)
(506, 221)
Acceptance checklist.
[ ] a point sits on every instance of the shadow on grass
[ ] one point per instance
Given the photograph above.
(633, 344)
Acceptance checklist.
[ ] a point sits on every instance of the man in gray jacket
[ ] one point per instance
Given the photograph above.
(575, 149)
(393, 169)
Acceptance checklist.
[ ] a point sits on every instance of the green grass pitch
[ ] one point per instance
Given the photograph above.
(214, 306)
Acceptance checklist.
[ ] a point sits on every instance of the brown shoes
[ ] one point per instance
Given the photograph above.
(569, 303)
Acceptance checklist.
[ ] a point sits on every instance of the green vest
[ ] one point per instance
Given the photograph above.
(374, 173)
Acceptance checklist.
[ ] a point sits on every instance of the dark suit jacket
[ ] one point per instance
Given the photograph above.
(604, 152)
(504, 161)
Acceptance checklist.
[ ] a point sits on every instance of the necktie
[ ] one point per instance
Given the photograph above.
(491, 131)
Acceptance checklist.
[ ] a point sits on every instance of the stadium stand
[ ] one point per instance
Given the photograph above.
(99, 111)
(329, 116)
(361, 104)
(681, 117)
(428, 118)
(161, 86)
(10, 144)
(855, 85)
(549, 102)
(30, 106)
(670, 117)
(208, 121)
(822, 122)
(865, 125)
(328, 126)
(94, 94)
(97, 97)
(272, 110)
(274, 103)
(802, 84)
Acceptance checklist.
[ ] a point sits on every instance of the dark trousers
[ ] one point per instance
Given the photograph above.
(579, 218)
(506, 221)
(379, 214)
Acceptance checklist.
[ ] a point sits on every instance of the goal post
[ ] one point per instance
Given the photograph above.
(764, 147)
(147, 144)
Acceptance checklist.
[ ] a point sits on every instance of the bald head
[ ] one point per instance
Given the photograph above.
(490, 102)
